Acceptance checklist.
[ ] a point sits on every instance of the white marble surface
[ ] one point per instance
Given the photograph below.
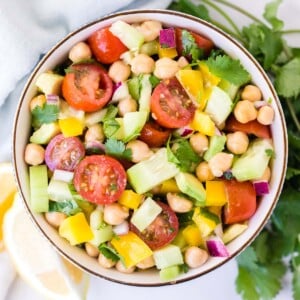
(216, 285)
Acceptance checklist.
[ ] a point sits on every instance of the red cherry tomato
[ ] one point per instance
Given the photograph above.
(64, 153)
(154, 135)
(241, 204)
(100, 179)
(87, 87)
(170, 104)
(162, 230)
(106, 47)
(202, 42)
(252, 127)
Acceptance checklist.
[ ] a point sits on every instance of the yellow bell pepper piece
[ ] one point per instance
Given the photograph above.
(76, 229)
(71, 126)
(203, 123)
(192, 235)
(169, 186)
(167, 52)
(215, 193)
(130, 199)
(205, 221)
(131, 248)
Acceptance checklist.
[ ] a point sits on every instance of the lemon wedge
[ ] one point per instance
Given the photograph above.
(8, 189)
(37, 262)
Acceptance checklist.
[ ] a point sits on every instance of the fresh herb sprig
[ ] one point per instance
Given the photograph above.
(261, 268)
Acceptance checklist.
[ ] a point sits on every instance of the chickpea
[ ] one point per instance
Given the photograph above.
(34, 154)
(182, 62)
(150, 30)
(121, 268)
(91, 250)
(105, 262)
(55, 218)
(165, 68)
(94, 133)
(127, 105)
(80, 51)
(146, 263)
(199, 142)
(251, 93)
(194, 257)
(237, 142)
(220, 163)
(203, 172)
(115, 214)
(140, 150)
(38, 100)
(245, 111)
(142, 64)
(179, 204)
(119, 71)
(265, 115)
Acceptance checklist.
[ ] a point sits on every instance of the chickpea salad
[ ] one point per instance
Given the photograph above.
(150, 148)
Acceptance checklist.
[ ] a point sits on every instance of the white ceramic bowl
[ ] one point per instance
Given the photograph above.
(170, 18)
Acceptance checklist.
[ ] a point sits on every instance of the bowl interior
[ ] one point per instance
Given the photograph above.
(59, 53)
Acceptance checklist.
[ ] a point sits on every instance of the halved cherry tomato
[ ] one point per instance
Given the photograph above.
(154, 135)
(201, 41)
(170, 104)
(100, 179)
(87, 87)
(162, 230)
(106, 47)
(252, 127)
(241, 199)
(64, 153)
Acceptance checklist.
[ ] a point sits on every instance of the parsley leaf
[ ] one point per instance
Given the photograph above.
(109, 252)
(229, 69)
(110, 127)
(270, 15)
(288, 78)
(190, 47)
(111, 113)
(46, 114)
(68, 207)
(117, 149)
(296, 283)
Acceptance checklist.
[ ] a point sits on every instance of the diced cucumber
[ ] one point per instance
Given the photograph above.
(145, 94)
(216, 145)
(252, 164)
(233, 231)
(114, 128)
(59, 190)
(49, 83)
(95, 117)
(133, 123)
(63, 175)
(129, 35)
(45, 133)
(38, 177)
(219, 106)
(170, 273)
(149, 173)
(150, 48)
(228, 87)
(134, 87)
(190, 185)
(167, 256)
(145, 214)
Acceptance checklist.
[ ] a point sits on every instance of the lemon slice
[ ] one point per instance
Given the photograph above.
(8, 190)
(37, 262)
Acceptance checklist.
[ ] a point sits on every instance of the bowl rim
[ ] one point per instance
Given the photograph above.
(231, 40)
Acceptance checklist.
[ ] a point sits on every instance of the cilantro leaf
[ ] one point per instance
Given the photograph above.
(270, 15)
(296, 283)
(245, 285)
(190, 47)
(111, 113)
(117, 149)
(291, 172)
(110, 127)
(288, 78)
(46, 114)
(109, 252)
(68, 207)
(229, 69)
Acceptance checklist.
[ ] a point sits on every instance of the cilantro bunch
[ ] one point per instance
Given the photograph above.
(276, 250)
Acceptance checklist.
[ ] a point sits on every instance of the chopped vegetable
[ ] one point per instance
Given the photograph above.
(216, 247)
(167, 38)
(261, 187)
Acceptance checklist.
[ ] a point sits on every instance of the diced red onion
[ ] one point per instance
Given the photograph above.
(167, 38)
(261, 187)
(116, 86)
(63, 175)
(184, 131)
(216, 247)
(52, 99)
(121, 229)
